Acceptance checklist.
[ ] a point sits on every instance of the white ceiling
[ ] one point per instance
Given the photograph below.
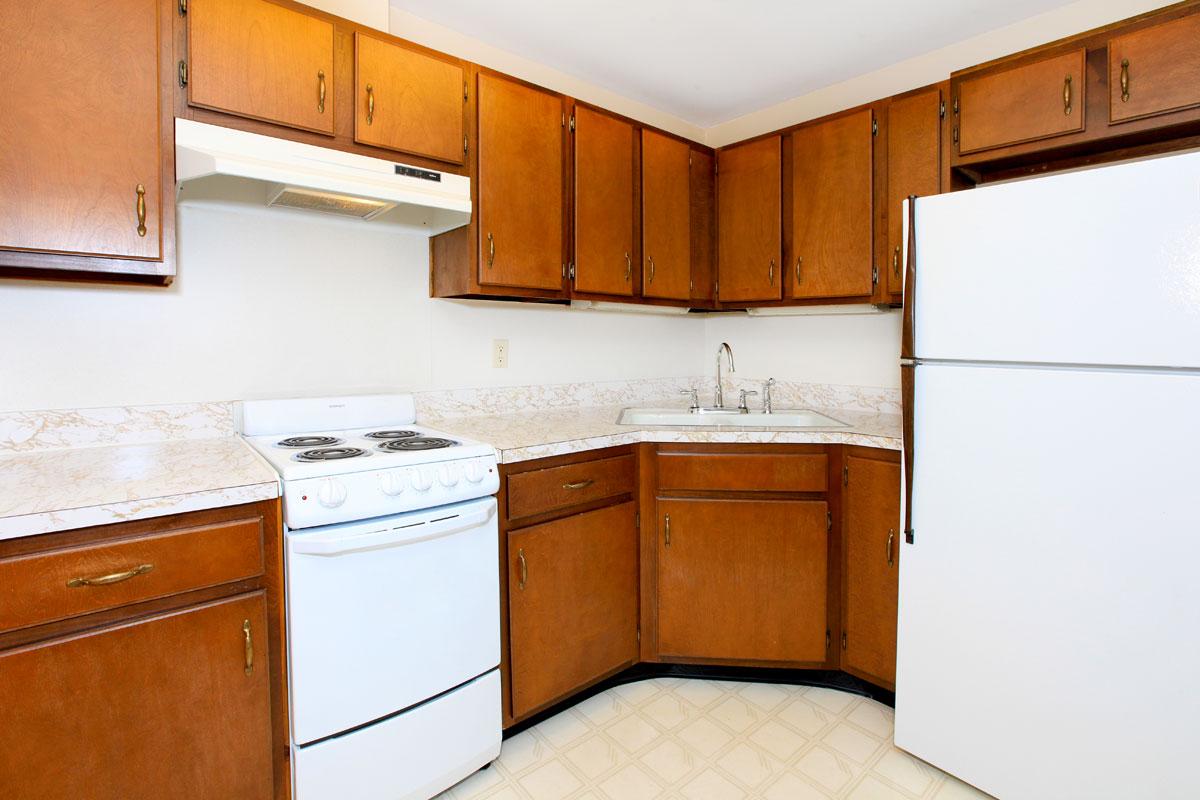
(709, 61)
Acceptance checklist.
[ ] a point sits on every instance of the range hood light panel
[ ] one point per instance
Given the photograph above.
(328, 202)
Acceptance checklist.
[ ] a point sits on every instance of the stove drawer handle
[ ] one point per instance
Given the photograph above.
(583, 484)
(335, 544)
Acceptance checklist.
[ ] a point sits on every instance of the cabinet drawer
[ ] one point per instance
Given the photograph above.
(1022, 104)
(64, 583)
(1155, 70)
(544, 490)
(743, 472)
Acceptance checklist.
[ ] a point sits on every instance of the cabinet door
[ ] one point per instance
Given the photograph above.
(79, 130)
(831, 208)
(603, 203)
(913, 168)
(262, 60)
(1154, 70)
(572, 603)
(164, 708)
(749, 218)
(407, 100)
(520, 185)
(1022, 104)
(666, 217)
(871, 568)
(742, 580)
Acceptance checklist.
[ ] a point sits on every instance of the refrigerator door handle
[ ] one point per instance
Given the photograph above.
(908, 374)
(908, 362)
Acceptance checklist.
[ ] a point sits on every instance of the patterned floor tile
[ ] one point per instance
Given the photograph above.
(683, 739)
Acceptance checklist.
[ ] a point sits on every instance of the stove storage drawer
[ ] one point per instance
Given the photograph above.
(80, 578)
(545, 490)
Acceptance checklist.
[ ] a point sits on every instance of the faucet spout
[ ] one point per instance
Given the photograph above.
(728, 351)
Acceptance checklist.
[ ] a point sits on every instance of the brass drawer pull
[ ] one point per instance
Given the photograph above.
(628, 267)
(249, 642)
(667, 535)
(1125, 80)
(524, 569)
(141, 210)
(891, 539)
(370, 104)
(579, 484)
(116, 577)
(771, 272)
(1067, 96)
(491, 250)
(799, 261)
(896, 261)
(321, 91)
(651, 269)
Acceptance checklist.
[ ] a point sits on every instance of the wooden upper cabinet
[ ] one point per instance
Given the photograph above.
(408, 100)
(81, 169)
(742, 580)
(871, 554)
(749, 214)
(666, 222)
(604, 209)
(169, 706)
(704, 226)
(572, 603)
(914, 146)
(520, 185)
(1155, 70)
(1025, 103)
(258, 59)
(831, 208)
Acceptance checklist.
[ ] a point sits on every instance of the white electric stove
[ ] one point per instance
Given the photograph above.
(393, 615)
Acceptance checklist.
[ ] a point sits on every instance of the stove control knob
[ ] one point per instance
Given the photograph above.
(449, 475)
(422, 479)
(475, 471)
(391, 483)
(332, 493)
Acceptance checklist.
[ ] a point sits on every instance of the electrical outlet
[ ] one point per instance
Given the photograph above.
(500, 353)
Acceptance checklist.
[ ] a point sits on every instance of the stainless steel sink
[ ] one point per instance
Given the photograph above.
(781, 418)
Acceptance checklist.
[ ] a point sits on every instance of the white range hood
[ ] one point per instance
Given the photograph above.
(216, 163)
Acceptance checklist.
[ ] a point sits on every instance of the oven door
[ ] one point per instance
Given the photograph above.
(384, 614)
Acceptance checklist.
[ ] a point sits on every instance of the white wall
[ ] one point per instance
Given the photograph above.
(277, 303)
(372, 13)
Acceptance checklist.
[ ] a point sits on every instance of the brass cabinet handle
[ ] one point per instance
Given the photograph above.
(491, 250)
(579, 484)
(370, 104)
(1067, 96)
(321, 91)
(141, 209)
(116, 577)
(524, 569)
(667, 537)
(651, 269)
(896, 261)
(891, 540)
(1125, 80)
(771, 272)
(799, 261)
(628, 268)
(249, 642)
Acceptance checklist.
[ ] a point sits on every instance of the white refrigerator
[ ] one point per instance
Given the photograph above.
(1049, 628)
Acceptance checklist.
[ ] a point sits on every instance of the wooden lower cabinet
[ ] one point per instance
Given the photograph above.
(572, 603)
(172, 706)
(742, 580)
(871, 566)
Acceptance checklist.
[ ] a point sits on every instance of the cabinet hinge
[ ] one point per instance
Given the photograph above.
(827, 641)
(956, 106)
(639, 633)
(942, 110)
(874, 276)
(845, 475)
(689, 159)
(464, 145)
(843, 640)
(464, 91)
(572, 123)
(955, 135)
(637, 520)
(909, 536)
(564, 119)
(183, 74)
(183, 8)
(571, 270)
(829, 522)
(874, 126)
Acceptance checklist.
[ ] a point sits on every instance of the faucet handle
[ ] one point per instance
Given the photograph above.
(742, 400)
(695, 406)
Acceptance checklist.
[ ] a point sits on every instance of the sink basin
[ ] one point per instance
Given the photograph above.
(782, 418)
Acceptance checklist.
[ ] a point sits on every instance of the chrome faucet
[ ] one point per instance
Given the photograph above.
(720, 399)
(768, 406)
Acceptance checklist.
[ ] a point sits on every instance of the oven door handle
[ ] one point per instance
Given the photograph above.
(336, 544)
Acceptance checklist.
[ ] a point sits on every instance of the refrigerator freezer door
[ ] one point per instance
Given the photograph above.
(1094, 267)
(1049, 634)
